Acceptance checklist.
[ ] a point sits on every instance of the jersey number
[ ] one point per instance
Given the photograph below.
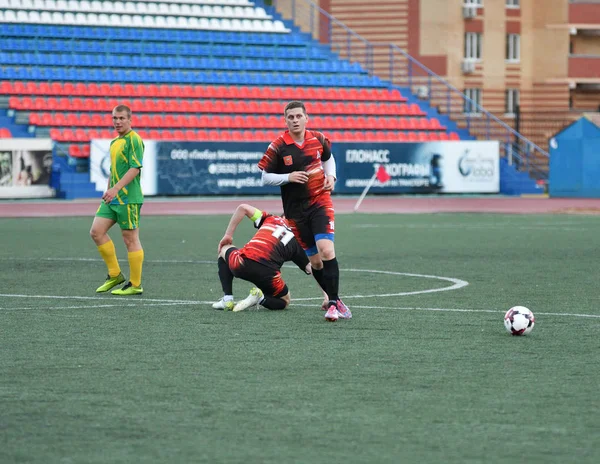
(283, 234)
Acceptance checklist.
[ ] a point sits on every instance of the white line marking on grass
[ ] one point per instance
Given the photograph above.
(166, 302)
(457, 283)
(461, 310)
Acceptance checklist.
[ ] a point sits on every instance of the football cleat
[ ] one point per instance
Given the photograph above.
(332, 314)
(110, 283)
(252, 299)
(128, 289)
(224, 305)
(343, 310)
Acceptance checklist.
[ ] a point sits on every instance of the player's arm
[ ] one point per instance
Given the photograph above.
(269, 163)
(300, 259)
(241, 211)
(330, 172)
(270, 178)
(111, 193)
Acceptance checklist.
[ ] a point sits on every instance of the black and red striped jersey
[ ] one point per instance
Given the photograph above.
(284, 156)
(274, 243)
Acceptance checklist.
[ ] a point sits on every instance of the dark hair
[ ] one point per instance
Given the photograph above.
(292, 105)
(120, 108)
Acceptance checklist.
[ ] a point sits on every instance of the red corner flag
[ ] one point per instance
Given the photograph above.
(382, 175)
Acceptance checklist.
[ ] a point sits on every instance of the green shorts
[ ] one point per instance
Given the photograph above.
(127, 216)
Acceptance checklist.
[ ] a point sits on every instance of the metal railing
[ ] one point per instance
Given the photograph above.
(391, 63)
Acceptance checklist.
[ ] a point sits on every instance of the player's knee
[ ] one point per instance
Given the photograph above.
(96, 234)
(326, 249)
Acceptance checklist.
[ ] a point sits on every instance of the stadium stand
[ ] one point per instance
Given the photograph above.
(218, 70)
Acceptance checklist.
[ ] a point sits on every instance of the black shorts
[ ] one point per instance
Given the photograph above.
(267, 279)
(316, 223)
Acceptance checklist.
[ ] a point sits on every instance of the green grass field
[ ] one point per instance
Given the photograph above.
(417, 376)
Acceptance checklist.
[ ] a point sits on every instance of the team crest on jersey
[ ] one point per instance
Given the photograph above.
(287, 160)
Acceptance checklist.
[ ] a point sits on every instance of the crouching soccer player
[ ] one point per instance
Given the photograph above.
(259, 261)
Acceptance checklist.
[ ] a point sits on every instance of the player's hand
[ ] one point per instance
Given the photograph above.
(109, 195)
(299, 177)
(329, 183)
(308, 269)
(226, 240)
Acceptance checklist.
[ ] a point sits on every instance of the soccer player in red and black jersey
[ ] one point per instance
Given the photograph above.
(259, 261)
(301, 162)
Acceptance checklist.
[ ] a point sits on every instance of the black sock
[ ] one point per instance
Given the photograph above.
(270, 302)
(226, 277)
(331, 276)
(318, 274)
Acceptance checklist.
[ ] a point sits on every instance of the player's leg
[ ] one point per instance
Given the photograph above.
(306, 239)
(226, 278)
(322, 224)
(106, 218)
(270, 289)
(129, 221)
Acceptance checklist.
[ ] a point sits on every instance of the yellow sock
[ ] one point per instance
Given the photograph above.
(136, 258)
(109, 255)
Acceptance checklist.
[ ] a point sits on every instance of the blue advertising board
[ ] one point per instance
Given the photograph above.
(226, 168)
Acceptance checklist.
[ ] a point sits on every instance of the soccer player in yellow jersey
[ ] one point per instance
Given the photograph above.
(121, 203)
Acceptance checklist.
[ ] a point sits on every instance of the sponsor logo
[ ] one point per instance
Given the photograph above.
(476, 166)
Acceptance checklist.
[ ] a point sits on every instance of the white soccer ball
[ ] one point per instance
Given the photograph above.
(519, 320)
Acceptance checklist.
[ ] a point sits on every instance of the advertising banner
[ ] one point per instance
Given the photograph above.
(431, 167)
(196, 168)
(25, 167)
(226, 168)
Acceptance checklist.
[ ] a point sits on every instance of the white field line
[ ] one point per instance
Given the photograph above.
(157, 302)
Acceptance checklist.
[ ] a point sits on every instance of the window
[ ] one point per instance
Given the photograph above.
(473, 2)
(513, 48)
(512, 100)
(513, 3)
(475, 95)
(472, 46)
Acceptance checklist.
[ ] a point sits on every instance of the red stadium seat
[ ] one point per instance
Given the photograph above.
(454, 136)
(74, 150)
(6, 88)
(5, 133)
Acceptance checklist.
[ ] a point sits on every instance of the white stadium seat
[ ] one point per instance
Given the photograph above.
(115, 20)
(50, 5)
(149, 21)
(46, 17)
(58, 18)
(204, 23)
(34, 17)
(68, 18)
